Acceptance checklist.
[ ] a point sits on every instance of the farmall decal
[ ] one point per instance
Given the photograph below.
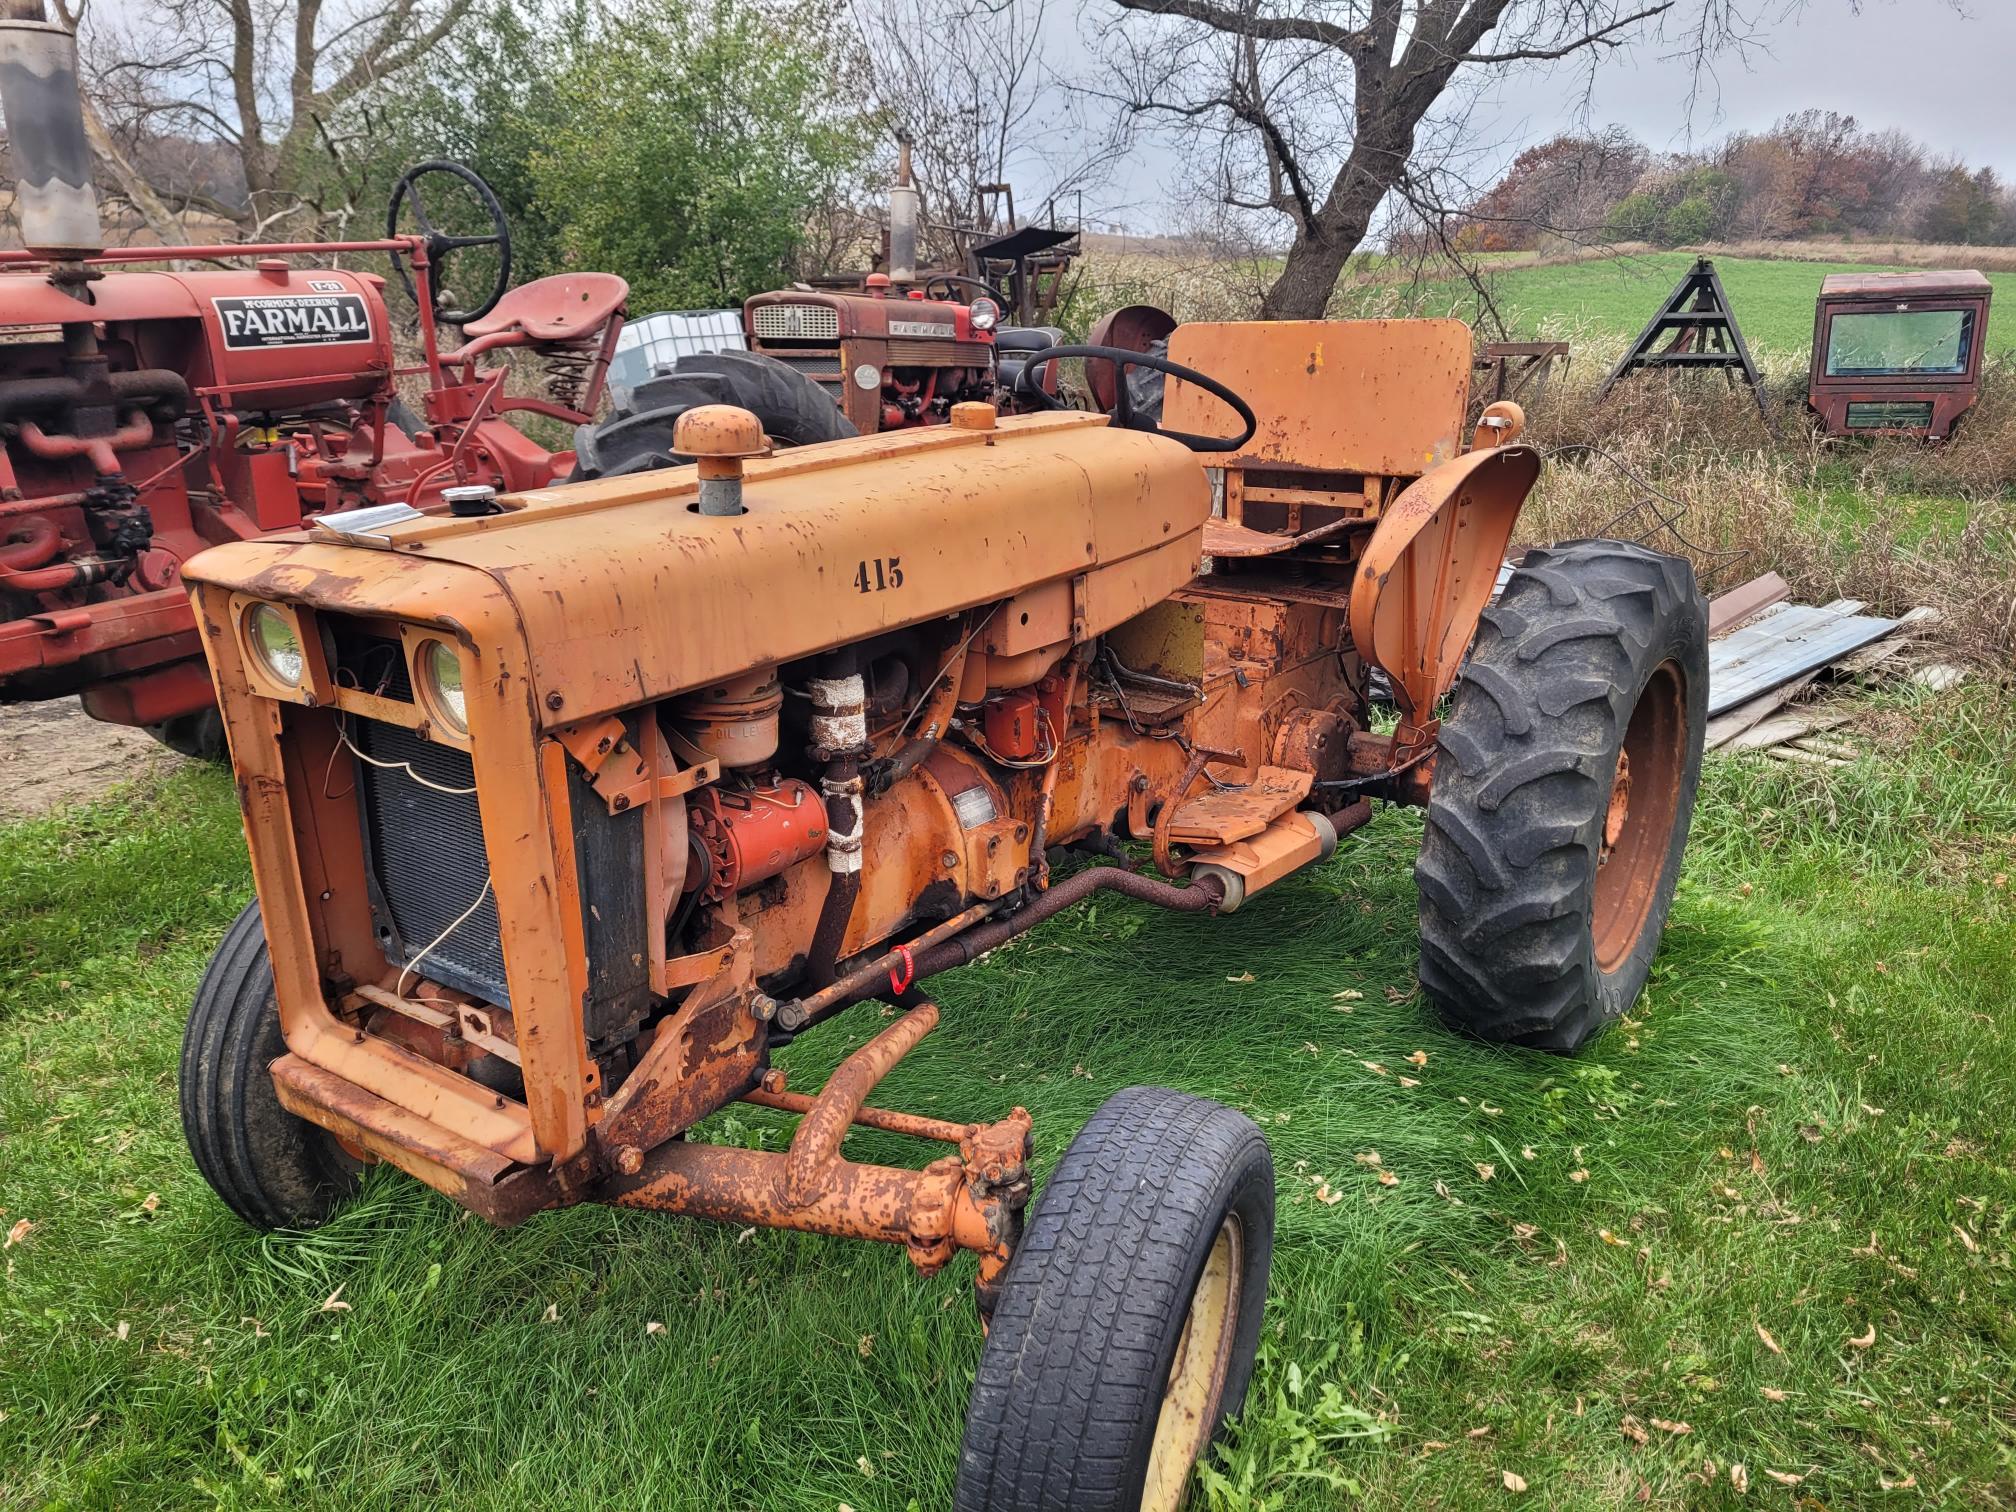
(287, 320)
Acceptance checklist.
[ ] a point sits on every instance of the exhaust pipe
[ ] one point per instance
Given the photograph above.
(903, 213)
(45, 130)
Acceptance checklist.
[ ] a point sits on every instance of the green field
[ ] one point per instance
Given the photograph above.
(1600, 304)
(1768, 1221)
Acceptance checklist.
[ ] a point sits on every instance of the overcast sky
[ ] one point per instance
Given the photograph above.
(1943, 75)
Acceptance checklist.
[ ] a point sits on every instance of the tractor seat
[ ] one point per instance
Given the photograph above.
(564, 307)
(1026, 338)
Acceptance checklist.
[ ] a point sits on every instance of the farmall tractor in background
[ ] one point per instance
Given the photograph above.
(149, 409)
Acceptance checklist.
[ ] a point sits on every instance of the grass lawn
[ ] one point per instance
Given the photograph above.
(1767, 1222)
(1601, 303)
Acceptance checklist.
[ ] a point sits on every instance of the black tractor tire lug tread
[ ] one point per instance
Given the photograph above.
(1514, 830)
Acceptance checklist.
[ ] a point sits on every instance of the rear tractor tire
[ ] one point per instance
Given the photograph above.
(272, 1168)
(1563, 793)
(1125, 1328)
(794, 411)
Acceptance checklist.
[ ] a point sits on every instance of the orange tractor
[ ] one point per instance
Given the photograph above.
(565, 816)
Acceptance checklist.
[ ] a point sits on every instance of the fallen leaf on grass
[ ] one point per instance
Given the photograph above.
(1965, 1238)
(552, 1313)
(865, 1466)
(1902, 1485)
(1863, 1341)
(1244, 976)
(865, 1345)
(17, 1233)
(1772, 1394)
(1418, 1058)
(1578, 1176)
(124, 1329)
(1756, 1164)
(1326, 1196)
(1609, 1238)
(1485, 1171)
(1387, 1178)
(1740, 1479)
(1514, 1482)
(1635, 1431)
(1665, 1426)
(1408, 1081)
(1769, 1342)
(1785, 1478)
(653, 1328)
(334, 1301)
(1369, 1158)
(1348, 995)
(1527, 1152)
(1374, 1067)
(1483, 1432)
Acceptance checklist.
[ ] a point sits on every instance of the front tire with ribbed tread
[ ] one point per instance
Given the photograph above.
(272, 1168)
(1593, 648)
(1094, 1305)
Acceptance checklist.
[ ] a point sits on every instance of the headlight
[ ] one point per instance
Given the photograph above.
(984, 313)
(273, 641)
(441, 677)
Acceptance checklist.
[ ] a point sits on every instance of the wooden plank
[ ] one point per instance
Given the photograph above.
(1775, 650)
(1728, 610)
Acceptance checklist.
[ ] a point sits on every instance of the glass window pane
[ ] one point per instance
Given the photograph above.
(1899, 341)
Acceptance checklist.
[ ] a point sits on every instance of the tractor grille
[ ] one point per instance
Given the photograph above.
(909, 352)
(796, 322)
(427, 859)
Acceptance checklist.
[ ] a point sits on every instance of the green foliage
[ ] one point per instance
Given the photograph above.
(1636, 217)
(683, 147)
(693, 143)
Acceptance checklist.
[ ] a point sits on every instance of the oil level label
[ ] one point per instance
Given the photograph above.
(287, 320)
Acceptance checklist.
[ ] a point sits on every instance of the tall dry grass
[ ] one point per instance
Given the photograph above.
(1896, 523)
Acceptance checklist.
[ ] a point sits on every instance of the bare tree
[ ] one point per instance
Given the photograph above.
(1323, 111)
(968, 84)
(286, 86)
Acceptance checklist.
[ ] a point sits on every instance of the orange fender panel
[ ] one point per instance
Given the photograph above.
(1430, 568)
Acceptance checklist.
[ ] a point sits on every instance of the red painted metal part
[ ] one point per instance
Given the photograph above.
(276, 425)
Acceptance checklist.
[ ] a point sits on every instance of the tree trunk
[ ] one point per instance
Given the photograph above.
(1308, 278)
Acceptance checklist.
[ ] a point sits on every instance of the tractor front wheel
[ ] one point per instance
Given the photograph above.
(272, 1169)
(1563, 792)
(1126, 1326)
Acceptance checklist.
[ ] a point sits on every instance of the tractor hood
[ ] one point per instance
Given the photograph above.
(620, 591)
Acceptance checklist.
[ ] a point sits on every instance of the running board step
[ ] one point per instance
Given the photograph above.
(1224, 815)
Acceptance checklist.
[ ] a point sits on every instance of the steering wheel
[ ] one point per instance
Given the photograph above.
(1123, 403)
(949, 279)
(440, 244)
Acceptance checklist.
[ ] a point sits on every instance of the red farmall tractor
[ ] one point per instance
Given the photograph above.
(151, 407)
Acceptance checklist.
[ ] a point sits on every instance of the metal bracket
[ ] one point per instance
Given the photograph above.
(618, 773)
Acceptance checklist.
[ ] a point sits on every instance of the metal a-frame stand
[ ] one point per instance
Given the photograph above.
(1704, 335)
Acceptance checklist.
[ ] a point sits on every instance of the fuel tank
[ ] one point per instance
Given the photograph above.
(275, 338)
(623, 592)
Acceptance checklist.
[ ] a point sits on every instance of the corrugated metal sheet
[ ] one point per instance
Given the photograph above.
(1780, 645)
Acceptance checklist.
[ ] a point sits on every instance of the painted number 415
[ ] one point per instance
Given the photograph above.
(878, 573)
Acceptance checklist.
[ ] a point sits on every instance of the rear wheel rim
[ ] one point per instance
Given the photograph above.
(1644, 806)
(1196, 1389)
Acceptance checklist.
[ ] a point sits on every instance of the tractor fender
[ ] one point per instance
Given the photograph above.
(1431, 566)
